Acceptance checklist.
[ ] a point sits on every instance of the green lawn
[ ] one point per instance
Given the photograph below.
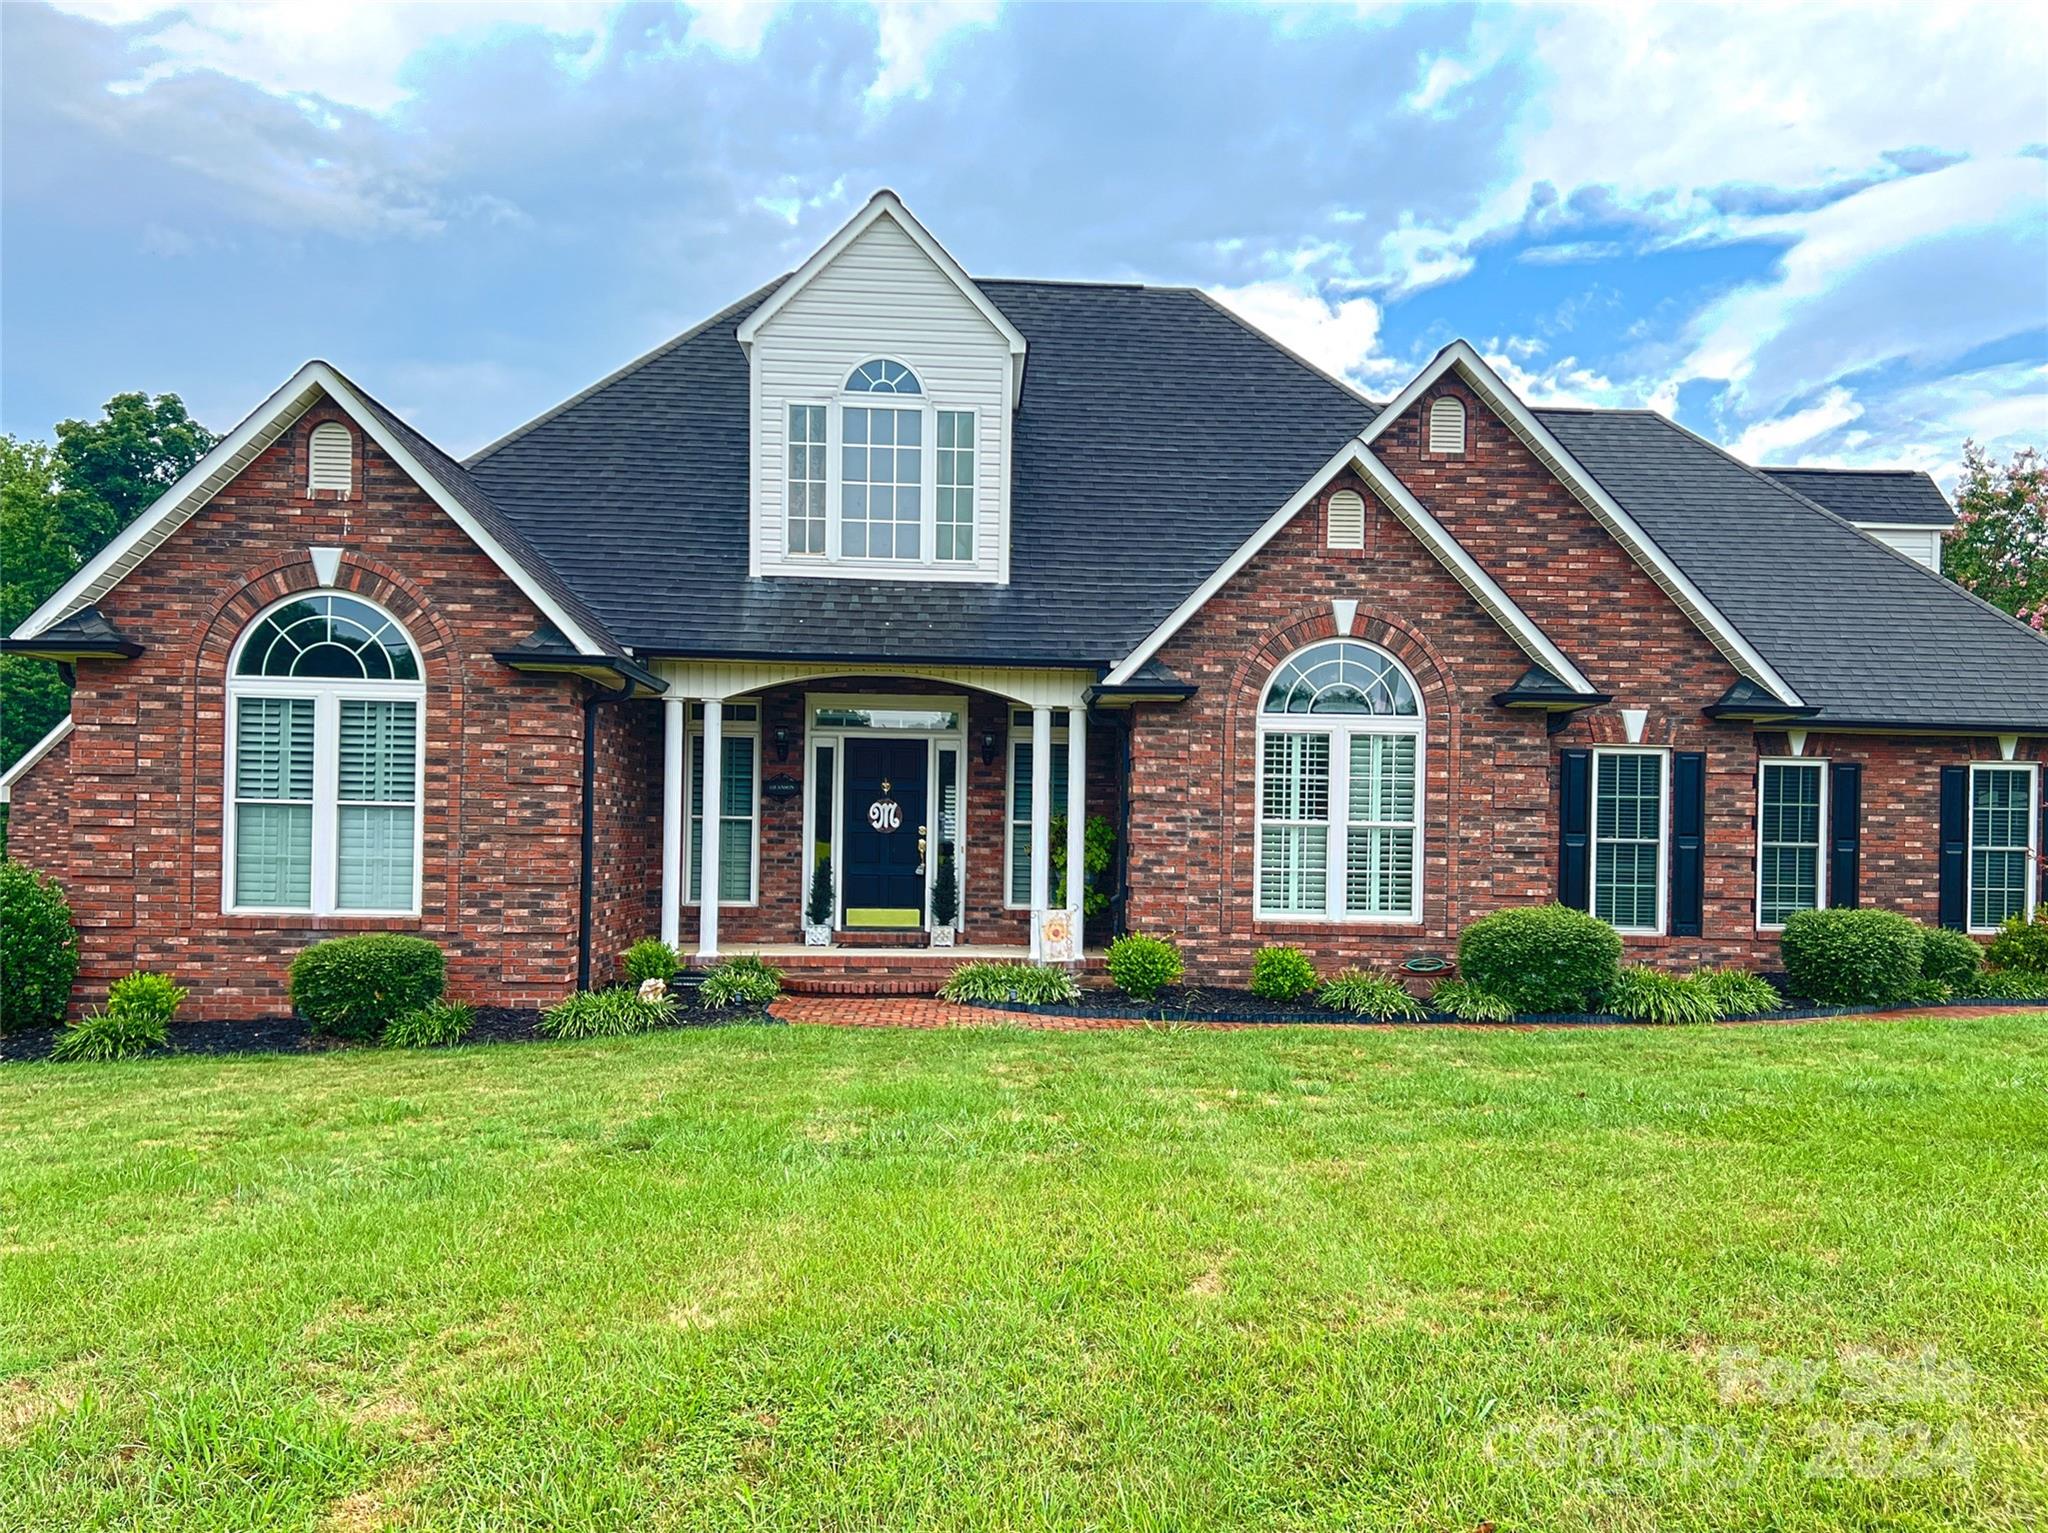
(1785, 1277)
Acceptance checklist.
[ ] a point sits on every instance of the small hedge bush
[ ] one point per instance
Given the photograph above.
(1739, 994)
(606, 1014)
(1542, 958)
(2006, 985)
(1365, 994)
(741, 981)
(1852, 957)
(1652, 995)
(650, 958)
(1468, 1003)
(1949, 958)
(1031, 984)
(147, 995)
(354, 987)
(430, 1027)
(111, 1034)
(2021, 946)
(38, 949)
(1282, 974)
(1142, 966)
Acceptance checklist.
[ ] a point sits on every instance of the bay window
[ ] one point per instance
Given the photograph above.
(1340, 788)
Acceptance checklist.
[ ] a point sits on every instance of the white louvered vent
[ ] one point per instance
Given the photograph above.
(330, 458)
(1447, 426)
(1347, 520)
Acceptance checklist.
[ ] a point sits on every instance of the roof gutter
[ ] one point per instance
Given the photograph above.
(638, 680)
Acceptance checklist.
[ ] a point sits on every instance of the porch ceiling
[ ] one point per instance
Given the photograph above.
(1028, 686)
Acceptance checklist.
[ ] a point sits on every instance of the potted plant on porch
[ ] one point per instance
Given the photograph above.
(945, 900)
(818, 908)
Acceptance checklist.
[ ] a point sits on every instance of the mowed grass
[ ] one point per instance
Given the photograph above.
(1783, 1277)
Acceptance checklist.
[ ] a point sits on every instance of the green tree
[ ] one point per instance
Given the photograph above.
(35, 559)
(1999, 548)
(110, 470)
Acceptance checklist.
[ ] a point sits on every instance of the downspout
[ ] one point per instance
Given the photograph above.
(590, 706)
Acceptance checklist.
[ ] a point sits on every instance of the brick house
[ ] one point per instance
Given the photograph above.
(931, 571)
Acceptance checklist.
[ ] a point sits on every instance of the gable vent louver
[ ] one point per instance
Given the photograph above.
(330, 458)
(1346, 520)
(1447, 426)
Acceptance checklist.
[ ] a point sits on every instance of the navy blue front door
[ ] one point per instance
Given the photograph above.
(883, 881)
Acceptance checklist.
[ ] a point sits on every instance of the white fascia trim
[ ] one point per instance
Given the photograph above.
(1724, 635)
(886, 204)
(1501, 607)
(36, 752)
(235, 452)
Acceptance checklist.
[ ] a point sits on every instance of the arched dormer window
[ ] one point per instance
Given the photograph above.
(326, 734)
(331, 458)
(1340, 787)
(883, 475)
(1447, 426)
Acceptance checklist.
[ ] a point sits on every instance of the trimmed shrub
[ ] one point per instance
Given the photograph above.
(1540, 958)
(945, 892)
(606, 1014)
(1739, 994)
(111, 1034)
(818, 908)
(1851, 957)
(1468, 1003)
(2021, 946)
(430, 1026)
(1282, 973)
(1949, 958)
(650, 958)
(2006, 985)
(1365, 994)
(1142, 966)
(147, 995)
(1031, 984)
(38, 949)
(1652, 995)
(353, 987)
(741, 981)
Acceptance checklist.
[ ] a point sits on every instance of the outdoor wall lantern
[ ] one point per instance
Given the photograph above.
(782, 742)
(990, 743)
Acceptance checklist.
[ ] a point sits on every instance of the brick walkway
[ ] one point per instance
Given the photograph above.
(904, 1011)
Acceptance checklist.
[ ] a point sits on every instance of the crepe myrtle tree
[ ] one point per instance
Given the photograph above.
(1998, 549)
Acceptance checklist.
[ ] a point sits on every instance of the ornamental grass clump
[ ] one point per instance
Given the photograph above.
(1852, 957)
(1542, 958)
(430, 1027)
(1736, 993)
(1282, 974)
(741, 981)
(115, 1033)
(1029, 984)
(1362, 993)
(355, 987)
(1468, 1003)
(613, 1013)
(1142, 966)
(1652, 995)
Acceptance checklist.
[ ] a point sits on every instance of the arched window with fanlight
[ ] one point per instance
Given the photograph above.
(326, 734)
(1340, 787)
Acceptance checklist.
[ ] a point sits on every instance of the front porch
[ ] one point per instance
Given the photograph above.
(893, 971)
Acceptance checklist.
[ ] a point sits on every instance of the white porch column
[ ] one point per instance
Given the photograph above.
(673, 718)
(1041, 825)
(711, 788)
(1077, 817)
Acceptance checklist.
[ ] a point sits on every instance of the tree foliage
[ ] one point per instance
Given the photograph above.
(1999, 548)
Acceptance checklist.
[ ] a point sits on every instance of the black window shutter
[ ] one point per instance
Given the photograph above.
(1955, 846)
(1574, 828)
(1845, 832)
(1688, 842)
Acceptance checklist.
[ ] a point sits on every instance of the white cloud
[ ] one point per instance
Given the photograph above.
(1341, 337)
(1769, 441)
(910, 37)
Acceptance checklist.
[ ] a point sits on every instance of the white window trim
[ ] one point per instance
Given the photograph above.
(1020, 740)
(327, 697)
(693, 801)
(1341, 728)
(1826, 835)
(790, 407)
(2032, 897)
(1663, 836)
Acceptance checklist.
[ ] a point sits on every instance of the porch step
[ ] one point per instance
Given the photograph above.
(799, 983)
(909, 936)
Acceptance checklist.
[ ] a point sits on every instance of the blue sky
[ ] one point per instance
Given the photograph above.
(1813, 234)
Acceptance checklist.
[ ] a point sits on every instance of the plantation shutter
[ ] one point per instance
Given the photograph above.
(1020, 812)
(1955, 845)
(1845, 833)
(378, 769)
(1574, 828)
(274, 802)
(1688, 842)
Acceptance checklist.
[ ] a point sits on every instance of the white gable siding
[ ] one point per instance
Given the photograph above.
(882, 297)
(1918, 543)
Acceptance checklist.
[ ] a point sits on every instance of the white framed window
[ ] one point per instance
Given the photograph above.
(1791, 827)
(1631, 838)
(330, 458)
(1017, 819)
(1447, 426)
(955, 534)
(1340, 797)
(326, 740)
(807, 479)
(2004, 814)
(739, 805)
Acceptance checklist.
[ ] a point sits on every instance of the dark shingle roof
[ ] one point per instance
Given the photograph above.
(636, 491)
(1862, 631)
(1899, 497)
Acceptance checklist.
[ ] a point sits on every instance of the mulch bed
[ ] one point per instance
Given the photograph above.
(289, 1035)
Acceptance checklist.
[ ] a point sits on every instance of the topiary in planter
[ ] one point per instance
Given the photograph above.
(38, 949)
(1282, 974)
(1543, 958)
(1852, 957)
(818, 910)
(945, 892)
(353, 987)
